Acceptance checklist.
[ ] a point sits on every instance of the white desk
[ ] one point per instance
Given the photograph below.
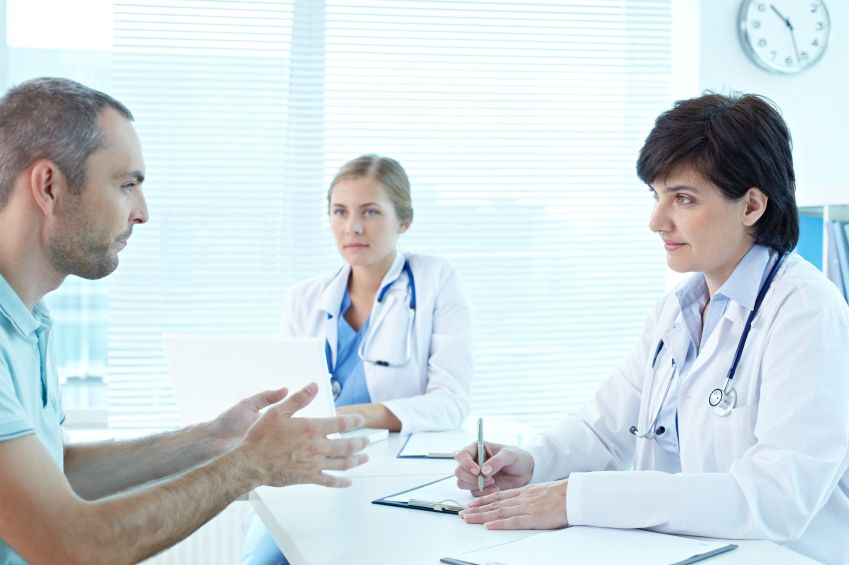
(317, 526)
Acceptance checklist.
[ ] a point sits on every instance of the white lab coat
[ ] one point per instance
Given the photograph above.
(775, 468)
(432, 391)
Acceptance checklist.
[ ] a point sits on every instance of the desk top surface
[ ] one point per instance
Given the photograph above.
(317, 525)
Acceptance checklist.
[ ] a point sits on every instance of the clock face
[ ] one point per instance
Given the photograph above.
(784, 36)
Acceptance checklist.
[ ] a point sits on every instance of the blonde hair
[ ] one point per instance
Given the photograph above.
(388, 172)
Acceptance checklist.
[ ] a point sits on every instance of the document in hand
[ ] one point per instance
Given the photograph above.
(442, 495)
(601, 546)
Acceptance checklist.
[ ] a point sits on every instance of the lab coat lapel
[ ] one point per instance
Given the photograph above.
(722, 341)
(672, 350)
(379, 311)
(329, 303)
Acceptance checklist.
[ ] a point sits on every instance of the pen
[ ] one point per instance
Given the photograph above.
(480, 453)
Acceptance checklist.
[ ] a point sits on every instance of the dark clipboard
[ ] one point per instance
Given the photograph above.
(441, 506)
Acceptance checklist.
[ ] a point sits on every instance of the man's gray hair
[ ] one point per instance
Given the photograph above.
(50, 118)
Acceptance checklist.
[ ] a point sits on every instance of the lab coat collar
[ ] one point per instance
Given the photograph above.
(331, 299)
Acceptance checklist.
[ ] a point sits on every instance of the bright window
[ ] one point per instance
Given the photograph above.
(519, 124)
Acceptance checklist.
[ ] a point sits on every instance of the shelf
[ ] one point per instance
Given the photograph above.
(834, 211)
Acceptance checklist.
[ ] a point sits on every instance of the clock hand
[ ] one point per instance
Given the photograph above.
(789, 27)
(796, 49)
(780, 15)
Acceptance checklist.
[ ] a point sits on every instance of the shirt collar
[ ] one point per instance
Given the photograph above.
(738, 288)
(744, 283)
(24, 320)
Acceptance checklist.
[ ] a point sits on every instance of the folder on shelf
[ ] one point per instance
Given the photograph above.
(841, 248)
(584, 544)
(441, 495)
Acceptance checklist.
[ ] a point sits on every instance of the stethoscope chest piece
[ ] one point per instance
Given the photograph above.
(722, 401)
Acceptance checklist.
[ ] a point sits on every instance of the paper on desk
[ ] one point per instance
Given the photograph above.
(443, 490)
(584, 544)
(443, 445)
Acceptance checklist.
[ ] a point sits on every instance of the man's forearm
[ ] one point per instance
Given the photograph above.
(101, 469)
(152, 518)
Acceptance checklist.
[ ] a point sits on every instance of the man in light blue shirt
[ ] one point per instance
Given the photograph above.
(71, 173)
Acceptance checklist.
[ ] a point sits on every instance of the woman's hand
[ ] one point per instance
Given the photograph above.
(534, 507)
(505, 467)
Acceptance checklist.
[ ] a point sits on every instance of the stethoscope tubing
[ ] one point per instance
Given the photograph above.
(722, 400)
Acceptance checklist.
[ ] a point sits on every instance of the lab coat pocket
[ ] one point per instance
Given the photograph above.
(733, 435)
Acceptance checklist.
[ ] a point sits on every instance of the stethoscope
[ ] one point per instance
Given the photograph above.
(411, 311)
(722, 400)
(336, 387)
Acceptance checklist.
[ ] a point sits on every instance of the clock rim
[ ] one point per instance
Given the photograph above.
(755, 57)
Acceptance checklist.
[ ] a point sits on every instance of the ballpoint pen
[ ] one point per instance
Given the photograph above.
(480, 453)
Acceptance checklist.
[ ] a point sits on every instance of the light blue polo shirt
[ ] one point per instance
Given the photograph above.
(29, 385)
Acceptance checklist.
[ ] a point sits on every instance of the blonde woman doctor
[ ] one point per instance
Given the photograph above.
(730, 416)
(396, 325)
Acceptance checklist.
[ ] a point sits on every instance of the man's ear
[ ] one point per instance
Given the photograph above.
(47, 184)
(756, 202)
(404, 226)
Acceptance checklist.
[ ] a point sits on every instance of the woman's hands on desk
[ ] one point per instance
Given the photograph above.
(502, 504)
(505, 467)
(534, 507)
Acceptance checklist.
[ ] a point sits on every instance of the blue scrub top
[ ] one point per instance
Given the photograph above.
(349, 367)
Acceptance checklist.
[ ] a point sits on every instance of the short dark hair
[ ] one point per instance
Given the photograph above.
(50, 118)
(736, 142)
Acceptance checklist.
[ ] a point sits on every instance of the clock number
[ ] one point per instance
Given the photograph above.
(761, 7)
(761, 42)
(820, 26)
(756, 24)
(803, 55)
(814, 8)
(789, 61)
(772, 54)
(815, 43)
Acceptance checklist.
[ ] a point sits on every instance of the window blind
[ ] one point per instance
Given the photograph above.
(519, 125)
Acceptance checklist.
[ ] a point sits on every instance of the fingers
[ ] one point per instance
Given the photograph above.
(489, 501)
(267, 398)
(345, 446)
(332, 481)
(499, 461)
(299, 400)
(341, 423)
(344, 463)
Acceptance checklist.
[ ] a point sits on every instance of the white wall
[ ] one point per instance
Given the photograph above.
(814, 102)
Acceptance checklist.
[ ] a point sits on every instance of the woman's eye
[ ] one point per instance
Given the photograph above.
(129, 186)
(338, 212)
(372, 212)
(683, 199)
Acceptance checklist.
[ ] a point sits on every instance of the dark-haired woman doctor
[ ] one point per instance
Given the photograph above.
(730, 417)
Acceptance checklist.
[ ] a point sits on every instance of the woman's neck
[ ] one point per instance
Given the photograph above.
(365, 280)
